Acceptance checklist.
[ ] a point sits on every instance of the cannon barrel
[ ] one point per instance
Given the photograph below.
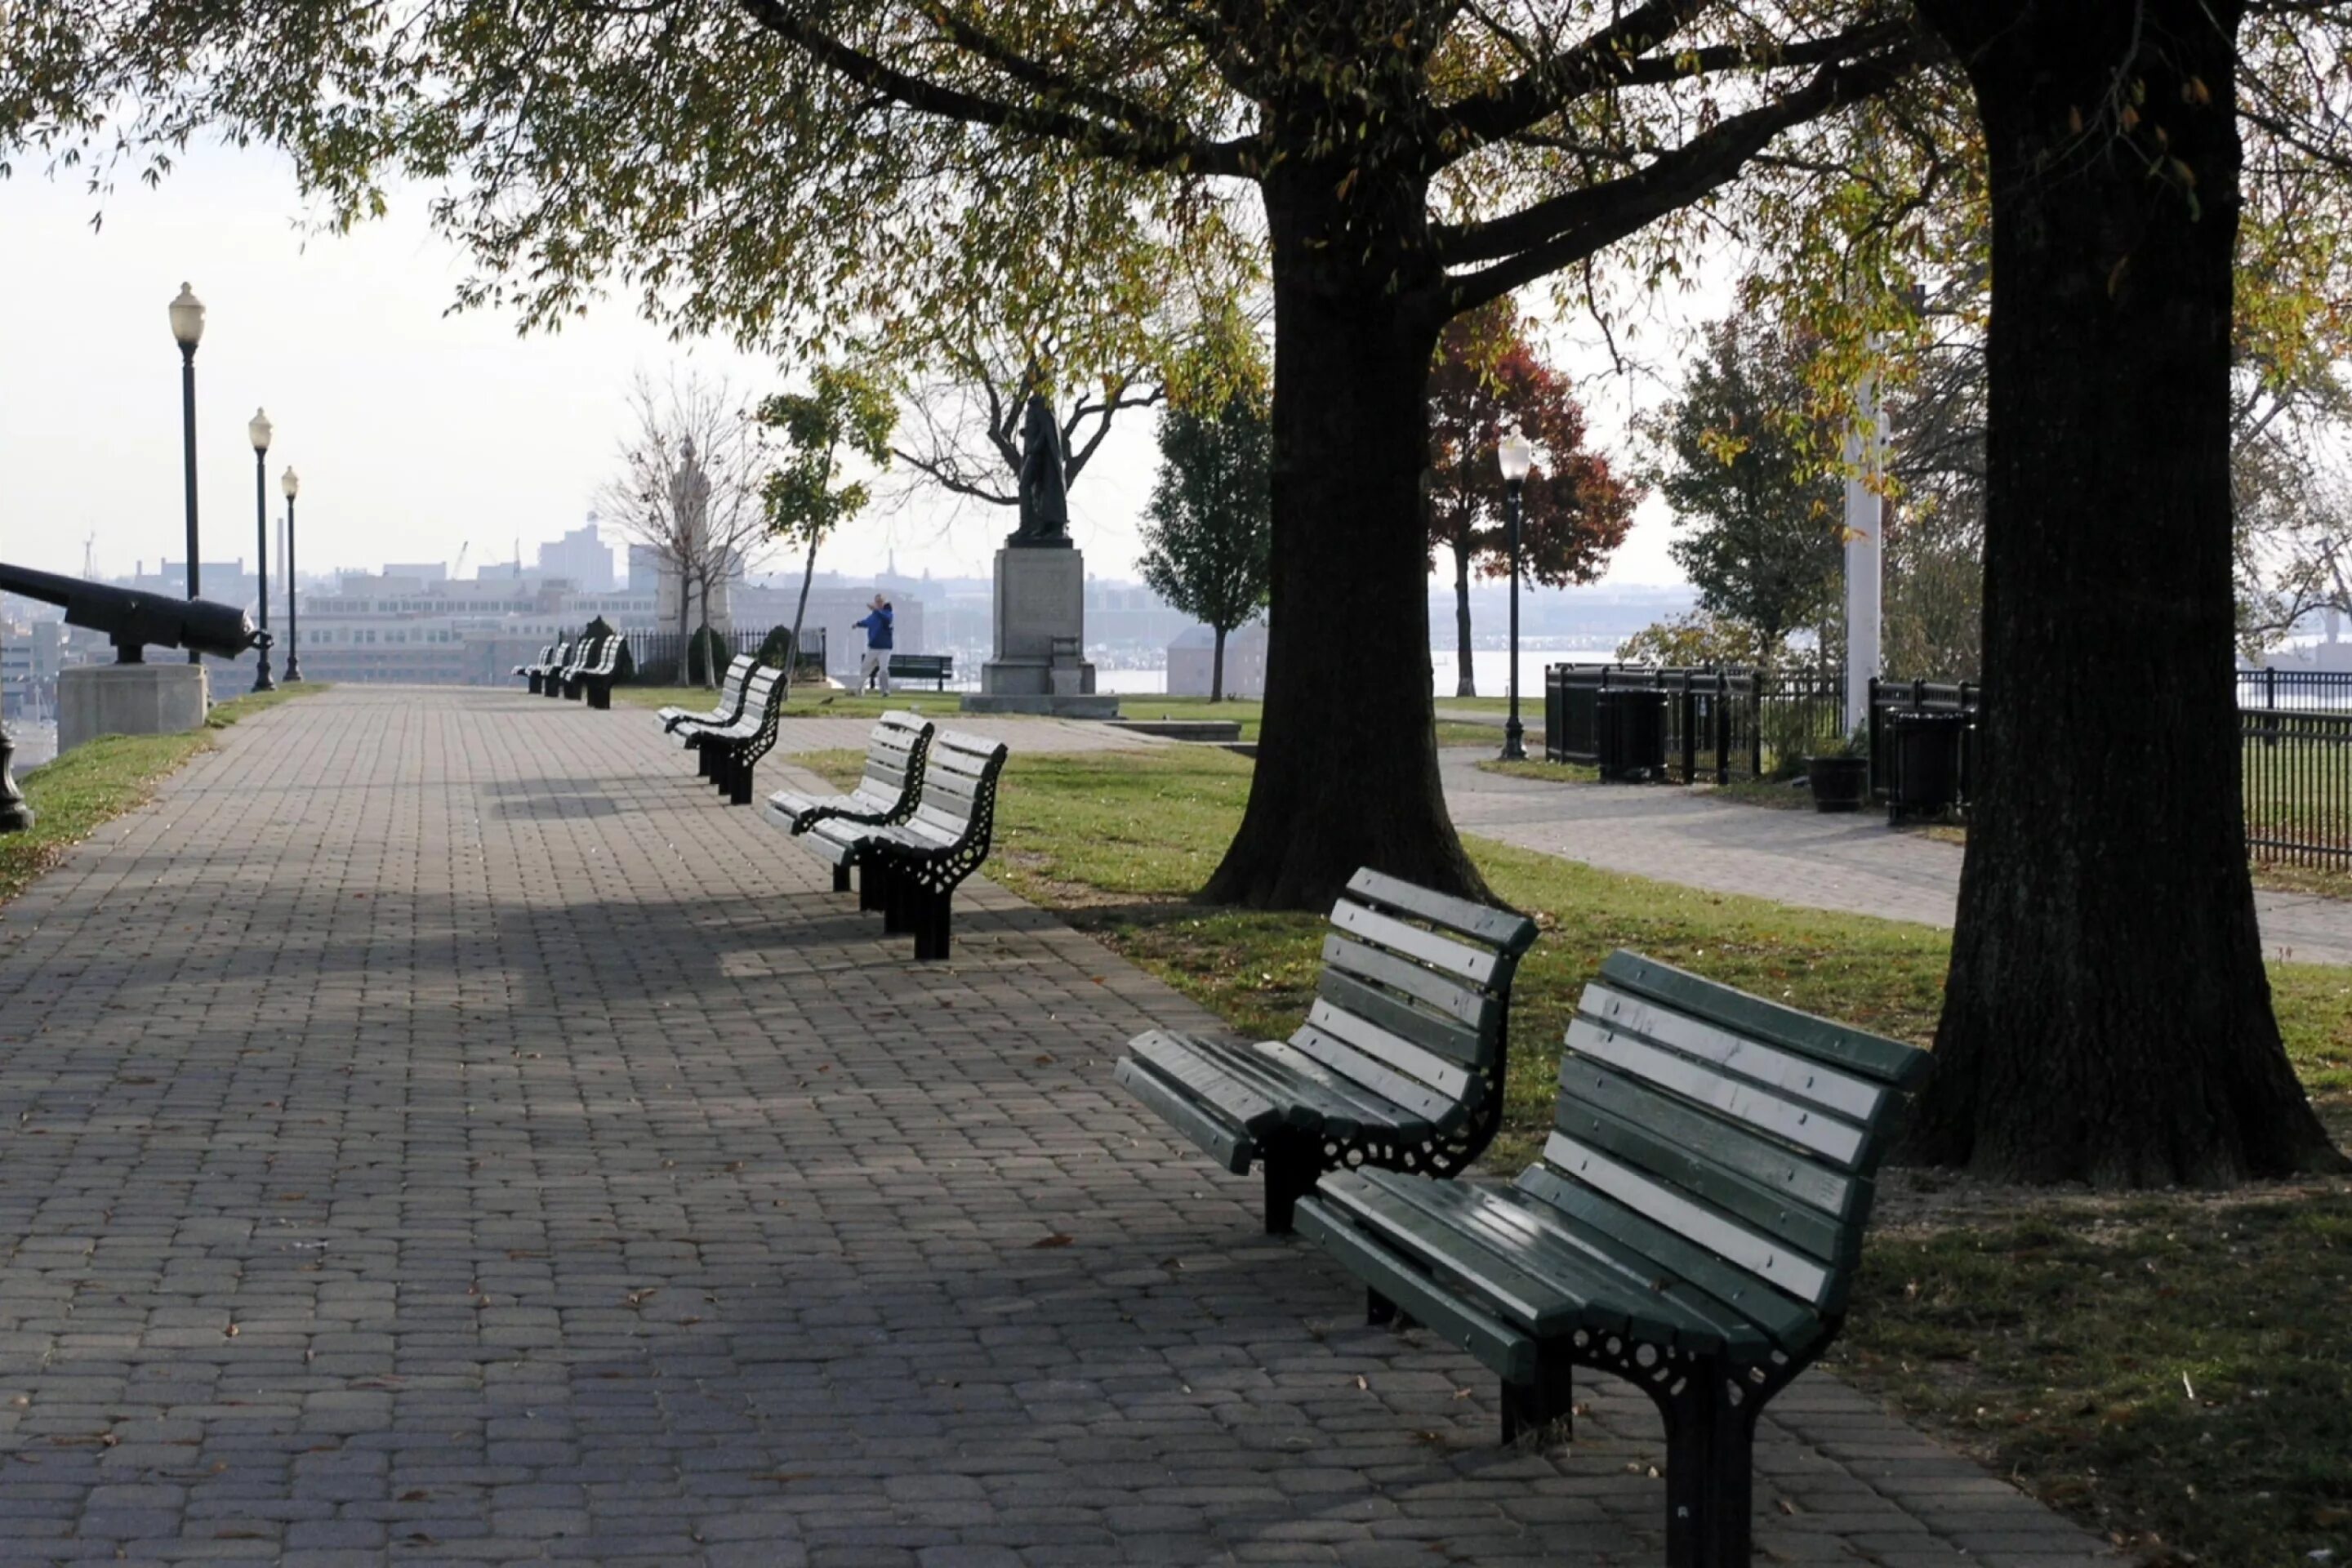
(134, 619)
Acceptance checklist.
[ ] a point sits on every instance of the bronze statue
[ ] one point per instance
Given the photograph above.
(1044, 495)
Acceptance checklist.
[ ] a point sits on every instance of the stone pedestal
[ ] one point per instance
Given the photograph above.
(1040, 629)
(162, 699)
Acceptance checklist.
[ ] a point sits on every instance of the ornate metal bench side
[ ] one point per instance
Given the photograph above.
(1693, 1227)
(1401, 1062)
(911, 869)
(735, 752)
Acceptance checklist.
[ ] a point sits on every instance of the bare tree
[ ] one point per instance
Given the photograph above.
(689, 489)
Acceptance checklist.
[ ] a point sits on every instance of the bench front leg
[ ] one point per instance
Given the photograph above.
(1291, 1167)
(1548, 1399)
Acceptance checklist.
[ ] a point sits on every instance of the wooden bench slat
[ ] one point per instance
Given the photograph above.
(1435, 1110)
(1777, 1262)
(1686, 1166)
(1447, 1038)
(1826, 1136)
(1509, 1351)
(1386, 931)
(1889, 1061)
(1470, 1004)
(1680, 1128)
(1505, 929)
(1179, 1060)
(1370, 1110)
(1390, 1048)
(1608, 1287)
(1785, 1072)
(1792, 1324)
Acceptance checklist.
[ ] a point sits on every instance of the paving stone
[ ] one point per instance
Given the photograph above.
(584, 1181)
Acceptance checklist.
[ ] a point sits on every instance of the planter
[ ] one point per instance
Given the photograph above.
(1840, 783)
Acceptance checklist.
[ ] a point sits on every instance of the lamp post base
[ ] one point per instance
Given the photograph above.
(1515, 747)
(16, 815)
(293, 673)
(261, 681)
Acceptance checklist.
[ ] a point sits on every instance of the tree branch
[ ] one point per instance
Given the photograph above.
(1553, 234)
(1164, 145)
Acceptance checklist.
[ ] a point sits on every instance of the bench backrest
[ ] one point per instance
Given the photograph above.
(895, 754)
(1414, 1000)
(561, 657)
(584, 654)
(607, 659)
(958, 799)
(1728, 1140)
(763, 693)
(731, 684)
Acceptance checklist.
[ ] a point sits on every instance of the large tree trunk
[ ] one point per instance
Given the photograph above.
(1346, 760)
(1465, 683)
(2107, 1017)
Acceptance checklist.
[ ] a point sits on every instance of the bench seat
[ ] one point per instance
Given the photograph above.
(1693, 1227)
(1400, 1063)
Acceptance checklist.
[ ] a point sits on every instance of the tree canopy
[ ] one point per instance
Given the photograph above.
(1574, 509)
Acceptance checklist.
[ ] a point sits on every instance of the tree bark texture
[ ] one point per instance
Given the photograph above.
(1346, 760)
(2107, 1017)
(1465, 683)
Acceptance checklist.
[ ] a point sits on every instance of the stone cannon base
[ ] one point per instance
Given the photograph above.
(96, 699)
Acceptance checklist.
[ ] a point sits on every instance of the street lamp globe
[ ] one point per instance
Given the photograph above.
(1515, 457)
(188, 319)
(289, 484)
(258, 428)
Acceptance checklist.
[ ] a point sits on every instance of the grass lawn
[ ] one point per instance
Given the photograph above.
(93, 783)
(2170, 1367)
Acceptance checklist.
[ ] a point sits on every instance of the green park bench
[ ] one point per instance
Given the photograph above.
(550, 670)
(886, 793)
(681, 724)
(1399, 1064)
(1693, 1226)
(938, 669)
(534, 669)
(730, 751)
(910, 868)
(587, 654)
(594, 679)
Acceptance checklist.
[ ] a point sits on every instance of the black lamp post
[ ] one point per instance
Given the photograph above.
(1514, 455)
(289, 484)
(188, 329)
(258, 428)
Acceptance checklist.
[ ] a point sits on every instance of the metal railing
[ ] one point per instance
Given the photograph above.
(1716, 725)
(660, 655)
(2298, 772)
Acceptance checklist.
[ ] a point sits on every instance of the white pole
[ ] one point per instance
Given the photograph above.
(1865, 451)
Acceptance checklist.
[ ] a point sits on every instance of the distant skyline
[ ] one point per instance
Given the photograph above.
(416, 433)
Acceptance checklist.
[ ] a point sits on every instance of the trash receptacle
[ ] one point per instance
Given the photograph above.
(1632, 735)
(1923, 762)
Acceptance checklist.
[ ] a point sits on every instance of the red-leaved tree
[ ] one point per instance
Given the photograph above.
(1486, 381)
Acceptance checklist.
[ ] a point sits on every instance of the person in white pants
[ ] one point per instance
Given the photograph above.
(875, 666)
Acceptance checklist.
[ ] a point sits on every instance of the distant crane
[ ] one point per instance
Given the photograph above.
(459, 569)
(89, 556)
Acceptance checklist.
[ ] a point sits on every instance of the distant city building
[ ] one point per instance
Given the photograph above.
(581, 556)
(644, 569)
(1191, 661)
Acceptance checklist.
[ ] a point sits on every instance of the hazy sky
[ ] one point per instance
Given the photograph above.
(416, 432)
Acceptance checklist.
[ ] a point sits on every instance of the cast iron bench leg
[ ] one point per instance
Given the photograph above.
(841, 877)
(1549, 1400)
(1710, 1484)
(1292, 1169)
(742, 792)
(871, 879)
(931, 915)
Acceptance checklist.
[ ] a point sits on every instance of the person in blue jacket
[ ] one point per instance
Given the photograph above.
(875, 666)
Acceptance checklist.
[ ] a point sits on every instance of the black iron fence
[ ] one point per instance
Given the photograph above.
(661, 655)
(1690, 726)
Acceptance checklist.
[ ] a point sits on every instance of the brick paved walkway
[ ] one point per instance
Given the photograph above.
(1830, 862)
(437, 1130)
